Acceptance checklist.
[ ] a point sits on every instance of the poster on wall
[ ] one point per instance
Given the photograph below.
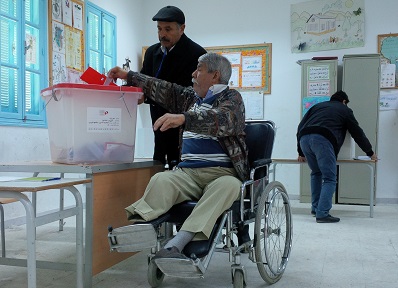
(58, 37)
(327, 25)
(388, 50)
(59, 68)
(56, 9)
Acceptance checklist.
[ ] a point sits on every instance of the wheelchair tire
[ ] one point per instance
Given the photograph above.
(239, 279)
(155, 275)
(273, 232)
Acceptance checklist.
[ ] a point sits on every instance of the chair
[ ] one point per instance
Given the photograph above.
(264, 203)
(3, 235)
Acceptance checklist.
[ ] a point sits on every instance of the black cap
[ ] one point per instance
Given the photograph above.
(170, 14)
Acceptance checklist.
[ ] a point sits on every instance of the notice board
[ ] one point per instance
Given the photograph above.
(251, 66)
(66, 45)
(251, 73)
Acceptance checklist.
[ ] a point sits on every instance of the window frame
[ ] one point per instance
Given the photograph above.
(22, 117)
(103, 15)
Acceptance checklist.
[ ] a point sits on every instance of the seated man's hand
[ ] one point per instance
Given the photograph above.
(141, 100)
(168, 121)
(117, 72)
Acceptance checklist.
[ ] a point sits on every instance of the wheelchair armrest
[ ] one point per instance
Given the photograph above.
(261, 162)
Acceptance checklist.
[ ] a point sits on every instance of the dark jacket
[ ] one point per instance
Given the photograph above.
(332, 119)
(226, 119)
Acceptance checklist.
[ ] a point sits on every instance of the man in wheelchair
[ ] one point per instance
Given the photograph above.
(217, 171)
(214, 155)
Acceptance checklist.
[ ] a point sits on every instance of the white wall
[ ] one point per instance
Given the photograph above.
(229, 22)
(232, 22)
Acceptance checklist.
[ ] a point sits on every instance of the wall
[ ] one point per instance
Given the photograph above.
(228, 22)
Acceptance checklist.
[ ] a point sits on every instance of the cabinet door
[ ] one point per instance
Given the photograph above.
(361, 82)
(318, 83)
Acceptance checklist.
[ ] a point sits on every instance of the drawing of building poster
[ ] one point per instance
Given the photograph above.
(327, 25)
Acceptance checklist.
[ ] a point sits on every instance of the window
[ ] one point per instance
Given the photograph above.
(23, 62)
(101, 39)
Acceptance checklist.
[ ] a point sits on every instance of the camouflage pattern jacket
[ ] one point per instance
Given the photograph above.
(226, 120)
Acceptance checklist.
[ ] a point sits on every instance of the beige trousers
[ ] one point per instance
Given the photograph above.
(214, 188)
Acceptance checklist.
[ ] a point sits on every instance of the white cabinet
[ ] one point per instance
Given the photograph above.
(361, 82)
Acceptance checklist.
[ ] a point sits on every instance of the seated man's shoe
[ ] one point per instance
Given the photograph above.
(313, 213)
(328, 219)
(243, 235)
(171, 252)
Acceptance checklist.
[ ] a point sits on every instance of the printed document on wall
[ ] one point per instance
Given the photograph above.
(254, 104)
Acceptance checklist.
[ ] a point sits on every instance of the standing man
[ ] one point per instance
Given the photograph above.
(320, 135)
(173, 59)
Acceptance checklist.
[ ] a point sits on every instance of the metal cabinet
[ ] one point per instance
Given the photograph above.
(314, 74)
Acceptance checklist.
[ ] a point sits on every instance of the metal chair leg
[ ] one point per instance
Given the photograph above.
(3, 235)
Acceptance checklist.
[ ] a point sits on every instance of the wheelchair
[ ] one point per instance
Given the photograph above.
(262, 202)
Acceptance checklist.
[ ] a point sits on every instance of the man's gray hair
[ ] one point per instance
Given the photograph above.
(216, 62)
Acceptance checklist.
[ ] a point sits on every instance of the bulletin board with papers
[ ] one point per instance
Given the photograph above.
(251, 74)
(66, 45)
(251, 66)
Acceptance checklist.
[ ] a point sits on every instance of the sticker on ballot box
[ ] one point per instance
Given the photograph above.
(104, 120)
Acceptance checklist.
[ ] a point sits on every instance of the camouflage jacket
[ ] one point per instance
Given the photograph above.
(226, 120)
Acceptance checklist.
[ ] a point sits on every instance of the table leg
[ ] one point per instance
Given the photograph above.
(371, 198)
(79, 237)
(30, 234)
(61, 205)
(88, 246)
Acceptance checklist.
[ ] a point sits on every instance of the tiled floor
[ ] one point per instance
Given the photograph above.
(357, 252)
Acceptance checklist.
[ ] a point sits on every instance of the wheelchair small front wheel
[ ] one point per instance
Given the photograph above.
(273, 231)
(239, 279)
(155, 275)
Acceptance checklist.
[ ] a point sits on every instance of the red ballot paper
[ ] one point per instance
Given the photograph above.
(92, 76)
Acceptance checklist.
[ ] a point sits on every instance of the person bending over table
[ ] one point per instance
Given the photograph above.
(320, 135)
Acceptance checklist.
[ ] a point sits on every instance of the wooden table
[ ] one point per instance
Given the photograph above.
(368, 163)
(15, 189)
(113, 187)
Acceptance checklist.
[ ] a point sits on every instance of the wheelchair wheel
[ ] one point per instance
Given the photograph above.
(239, 280)
(273, 232)
(155, 275)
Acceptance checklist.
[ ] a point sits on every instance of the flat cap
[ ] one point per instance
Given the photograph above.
(170, 14)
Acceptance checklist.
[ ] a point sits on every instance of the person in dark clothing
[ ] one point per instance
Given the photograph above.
(173, 59)
(320, 135)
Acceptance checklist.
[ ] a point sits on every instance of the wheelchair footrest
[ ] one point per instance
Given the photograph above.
(132, 238)
(181, 268)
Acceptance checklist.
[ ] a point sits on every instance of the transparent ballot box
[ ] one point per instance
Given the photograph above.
(91, 123)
